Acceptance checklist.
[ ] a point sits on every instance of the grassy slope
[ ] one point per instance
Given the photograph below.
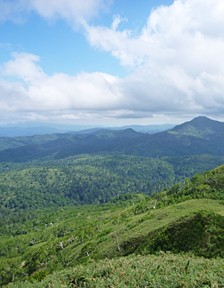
(83, 235)
(163, 271)
(68, 237)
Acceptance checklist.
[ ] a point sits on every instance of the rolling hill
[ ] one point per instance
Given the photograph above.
(196, 137)
(88, 179)
(49, 237)
(174, 237)
(80, 180)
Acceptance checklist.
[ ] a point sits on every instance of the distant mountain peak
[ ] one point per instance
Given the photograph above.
(203, 120)
(200, 127)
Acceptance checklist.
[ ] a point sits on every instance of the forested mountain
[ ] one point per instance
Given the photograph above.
(19, 131)
(10, 143)
(87, 179)
(174, 237)
(200, 127)
(55, 178)
(80, 180)
(199, 136)
(47, 228)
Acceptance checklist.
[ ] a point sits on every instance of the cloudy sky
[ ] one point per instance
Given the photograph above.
(111, 62)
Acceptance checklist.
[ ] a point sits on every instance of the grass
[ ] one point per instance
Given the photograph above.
(163, 238)
(81, 235)
(155, 271)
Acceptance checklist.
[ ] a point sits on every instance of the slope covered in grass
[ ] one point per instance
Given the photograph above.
(183, 219)
(163, 270)
(72, 236)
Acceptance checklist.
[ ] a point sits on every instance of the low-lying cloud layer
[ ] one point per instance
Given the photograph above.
(176, 63)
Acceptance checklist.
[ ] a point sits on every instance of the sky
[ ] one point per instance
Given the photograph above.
(111, 62)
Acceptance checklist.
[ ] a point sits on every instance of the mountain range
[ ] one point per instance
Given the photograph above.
(148, 225)
(196, 137)
(18, 131)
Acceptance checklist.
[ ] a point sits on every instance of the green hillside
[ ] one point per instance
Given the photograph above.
(196, 137)
(15, 142)
(164, 271)
(87, 179)
(80, 180)
(179, 231)
(50, 235)
(200, 127)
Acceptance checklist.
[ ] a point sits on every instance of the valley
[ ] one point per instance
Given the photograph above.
(113, 208)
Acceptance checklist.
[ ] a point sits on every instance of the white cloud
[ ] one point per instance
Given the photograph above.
(186, 31)
(176, 64)
(34, 90)
(24, 66)
(13, 96)
(73, 11)
(177, 59)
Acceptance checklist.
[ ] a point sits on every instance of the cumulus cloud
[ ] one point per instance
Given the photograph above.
(176, 59)
(176, 65)
(33, 90)
(24, 66)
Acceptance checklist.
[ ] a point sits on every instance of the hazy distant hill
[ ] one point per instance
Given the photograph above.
(199, 136)
(200, 127)
(26, 131)
(151, 129)
(21, 131)
(64, 145)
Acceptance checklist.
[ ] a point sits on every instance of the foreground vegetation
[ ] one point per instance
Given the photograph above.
(163, 271)
(83, 236)
(95, 239)
(173, 238)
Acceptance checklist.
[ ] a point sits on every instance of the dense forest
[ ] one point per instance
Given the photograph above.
(186, 218)
(109, 219)
(87, 179)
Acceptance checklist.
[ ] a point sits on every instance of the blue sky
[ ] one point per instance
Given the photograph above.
(63, 48)
(112, 62)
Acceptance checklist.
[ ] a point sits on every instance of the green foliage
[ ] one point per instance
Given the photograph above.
(165, 271)
(66, 237)
(91, 179)
(187, 166)
(207, 185)
(80, 180)
(186, 218)
(201, 233)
